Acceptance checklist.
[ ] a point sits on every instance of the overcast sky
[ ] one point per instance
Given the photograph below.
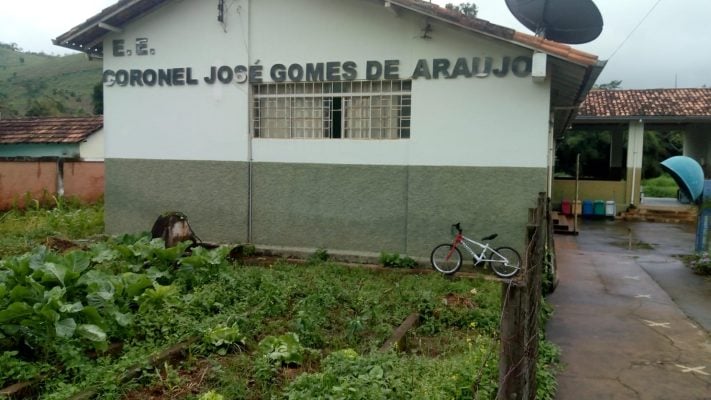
(673, 43)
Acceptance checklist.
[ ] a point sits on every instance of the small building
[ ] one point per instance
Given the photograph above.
(353, 125)
(624, 116)
(50, 156)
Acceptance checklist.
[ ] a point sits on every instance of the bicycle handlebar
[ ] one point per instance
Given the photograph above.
(458, 227)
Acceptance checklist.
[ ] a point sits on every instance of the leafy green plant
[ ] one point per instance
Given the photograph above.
(275, 352)
(134, 292)
(13, 369)
(211, 395)
(223, 338)
(318, 256)
(346, 374)
(159, 296)
(549, 283)
(395, 260)
(168, 377)
(700, 263)
(282, 350)
(547, 367)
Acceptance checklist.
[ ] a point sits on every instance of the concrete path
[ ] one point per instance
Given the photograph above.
(622, 335)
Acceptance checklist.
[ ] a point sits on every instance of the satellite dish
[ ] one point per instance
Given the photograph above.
(687, 173)
(564, 21)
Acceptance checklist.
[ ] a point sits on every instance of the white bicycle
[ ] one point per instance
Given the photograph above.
(447, 258)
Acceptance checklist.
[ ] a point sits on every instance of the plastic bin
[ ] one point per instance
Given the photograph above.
(588, 208)
(577, 207)
(565, 207)
(610, 209)
(599, 208)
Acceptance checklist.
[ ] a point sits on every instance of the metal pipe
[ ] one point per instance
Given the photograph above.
(250, 154)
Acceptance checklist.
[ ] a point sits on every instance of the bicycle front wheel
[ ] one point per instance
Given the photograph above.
(446, 259)
(505, 262)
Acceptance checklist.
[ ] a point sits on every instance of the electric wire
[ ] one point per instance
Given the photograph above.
(634, 30)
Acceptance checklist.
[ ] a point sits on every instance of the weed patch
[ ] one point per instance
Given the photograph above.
(22, 230)
(700, 263)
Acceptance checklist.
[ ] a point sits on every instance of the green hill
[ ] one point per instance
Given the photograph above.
(40, 84)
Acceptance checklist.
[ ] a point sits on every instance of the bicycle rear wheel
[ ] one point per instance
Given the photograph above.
(446, 259)
(505, 262)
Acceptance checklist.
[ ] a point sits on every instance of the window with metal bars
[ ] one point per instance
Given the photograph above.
(336, 110)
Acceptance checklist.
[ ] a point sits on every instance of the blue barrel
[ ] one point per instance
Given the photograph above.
(588, 210)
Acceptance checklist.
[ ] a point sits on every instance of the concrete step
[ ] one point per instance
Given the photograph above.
(562, 223)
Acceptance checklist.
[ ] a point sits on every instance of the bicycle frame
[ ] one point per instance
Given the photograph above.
(460, 239)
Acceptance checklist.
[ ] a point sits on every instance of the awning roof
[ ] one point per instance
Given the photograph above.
(653, 105)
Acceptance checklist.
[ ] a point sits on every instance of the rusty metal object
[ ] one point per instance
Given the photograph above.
(173, 228)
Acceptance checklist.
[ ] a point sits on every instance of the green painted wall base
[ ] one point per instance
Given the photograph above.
(360, 208)
(212, 194)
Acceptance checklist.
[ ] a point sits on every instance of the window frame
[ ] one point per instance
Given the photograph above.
(386, 115)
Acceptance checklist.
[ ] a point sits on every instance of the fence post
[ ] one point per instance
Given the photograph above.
(521, 302)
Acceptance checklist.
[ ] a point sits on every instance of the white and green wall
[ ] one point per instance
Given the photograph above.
(478, 150)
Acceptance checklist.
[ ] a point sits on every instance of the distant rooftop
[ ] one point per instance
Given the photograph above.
(652, 104)
(48, 130)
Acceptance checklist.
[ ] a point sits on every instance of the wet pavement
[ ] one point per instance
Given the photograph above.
(633, 322)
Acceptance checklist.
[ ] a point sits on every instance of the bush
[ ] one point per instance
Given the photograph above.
(662, 186)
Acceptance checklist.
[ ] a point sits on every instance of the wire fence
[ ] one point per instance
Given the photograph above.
(521, 307)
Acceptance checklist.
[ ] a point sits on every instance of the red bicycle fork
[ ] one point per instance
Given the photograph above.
(457, 240)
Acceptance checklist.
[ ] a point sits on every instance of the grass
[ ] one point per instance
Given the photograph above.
(22, 230)
(661, 186)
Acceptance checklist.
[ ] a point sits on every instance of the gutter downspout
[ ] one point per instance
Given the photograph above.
(250, 152)
(60, 177)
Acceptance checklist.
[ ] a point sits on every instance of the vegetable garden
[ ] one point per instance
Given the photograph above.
(90, 321)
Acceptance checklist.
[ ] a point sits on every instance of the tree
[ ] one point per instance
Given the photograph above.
(468, 9)
(658, 146)
(45, 107)
(612, 85)
(97, 98)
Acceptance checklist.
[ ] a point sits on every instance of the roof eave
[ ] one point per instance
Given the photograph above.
(593, 72)
(662, 119)
(504, 31)
(100, 25)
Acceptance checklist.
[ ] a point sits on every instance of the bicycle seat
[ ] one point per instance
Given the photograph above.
(490, 237)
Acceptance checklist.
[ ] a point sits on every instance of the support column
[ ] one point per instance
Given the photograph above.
(635, 152)
(617, 142)
(551, 154)
(696, 147)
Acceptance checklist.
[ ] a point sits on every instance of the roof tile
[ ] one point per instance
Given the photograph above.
(647, 103)
(48, 130)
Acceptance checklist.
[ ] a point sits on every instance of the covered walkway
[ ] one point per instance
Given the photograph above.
(632, 324)
(626, 115)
